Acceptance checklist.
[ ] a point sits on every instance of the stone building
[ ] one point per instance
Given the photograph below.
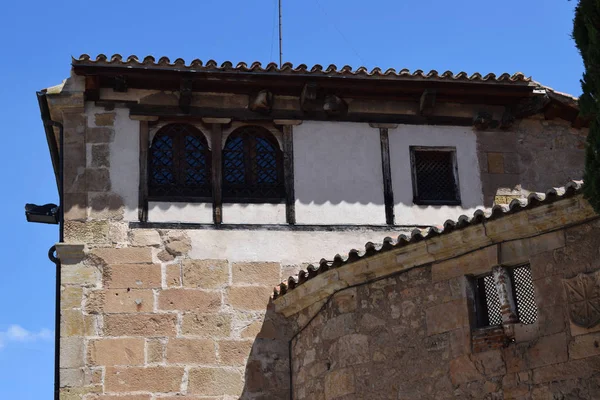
(190, 191)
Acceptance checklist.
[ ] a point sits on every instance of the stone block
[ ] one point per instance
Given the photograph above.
(74, 323)
(475, 263)
(189, 300)
(350, 350)
(191, 351)
(489, 363)
(87, 232)
(77, 393)
(447, 317)
(72, 377)
(178, 246)
(149, 325)
(144, 238)
(339, 383)
(104, 119)
(205, 274)
(126, 397)
(215, 382)
(98, 179)
(155, 350)
(548, 350)
(495, 163)
(234, 352)
(112, 301)
(346, 301)
(549, 291)
(584, 346)
(70, 297)
(249, 297)
(260, 273)
(99, 135)
(75, 206)
(462, 370)
(206, 325)
(122, 351)
(575, 369)
(339, 326)
(74, 169)
(551, 319)
(100, 156)
(173, 275)
(71, 352)
(158, 379)
(106, 206)
(127, 255)
(138, 276)
(79, 274)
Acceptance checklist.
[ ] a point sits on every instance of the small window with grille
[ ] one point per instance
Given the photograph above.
(435, 176)
(179, 165)
(488, 309)
(252, 166)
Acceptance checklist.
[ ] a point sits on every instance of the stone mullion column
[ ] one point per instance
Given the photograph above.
(508, 307)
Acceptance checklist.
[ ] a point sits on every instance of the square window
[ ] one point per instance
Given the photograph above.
(435, 176)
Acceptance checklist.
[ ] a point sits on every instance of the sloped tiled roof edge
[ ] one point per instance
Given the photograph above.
(534, 200)
(149, 62)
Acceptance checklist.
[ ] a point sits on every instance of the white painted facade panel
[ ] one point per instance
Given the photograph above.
(252, 213)
(337, 174)
(194, 213)
(465, 141)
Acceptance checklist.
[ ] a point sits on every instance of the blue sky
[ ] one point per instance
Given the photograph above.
(37, 39)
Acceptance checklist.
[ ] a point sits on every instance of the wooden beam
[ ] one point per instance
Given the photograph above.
(427, 102)
(388, 194)
(143, 188)
(92, 87)
(217, 165)
(185, 95)
(288, 172)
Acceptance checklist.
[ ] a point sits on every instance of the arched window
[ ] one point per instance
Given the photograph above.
(252, 166)
(180, 164)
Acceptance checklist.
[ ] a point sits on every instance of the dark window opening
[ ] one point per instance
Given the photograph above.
(252, 166)
(180, 164)
(435, 176)
(487, 303)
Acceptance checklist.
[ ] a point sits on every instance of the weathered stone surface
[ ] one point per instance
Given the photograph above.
(189, 300)
(126, 397)
(106, 206)
(173, 275)
(462, 369)
(206, 274)
(495, 163)
(71, 352)
(100, 156)
(125, 351)
(179, 246)
(104, 119)
(191, 351)
(476, 263)
(120, 301)
(87, 232)
(72, 377)
(99, 135)
(75, 206)
(165, 256)
(148, 325)
(74, 323)
(206, 325)
(215, 381)
(144, 237)
(267, 273)
(249, 297)
(158, 379)
(446, 317)
(339, 383)
(70, 297)
(98, 179)
(155, 352)
(234, 352)
(125, 276)
(350, 350)
(548, 350)
(127, 255)
(584, 346)
(339, 326)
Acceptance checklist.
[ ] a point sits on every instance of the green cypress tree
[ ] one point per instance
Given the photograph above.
(586, 32)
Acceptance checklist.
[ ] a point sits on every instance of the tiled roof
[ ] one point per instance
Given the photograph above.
(480, 216)
(196, 65)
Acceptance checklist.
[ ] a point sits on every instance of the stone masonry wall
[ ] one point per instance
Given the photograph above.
(410, 336)
(533, 156)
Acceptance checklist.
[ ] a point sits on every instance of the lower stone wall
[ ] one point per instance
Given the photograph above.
(410, 336)
(143, 321)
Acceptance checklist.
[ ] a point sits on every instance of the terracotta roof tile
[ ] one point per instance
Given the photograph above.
(533, 200)
(197, 65)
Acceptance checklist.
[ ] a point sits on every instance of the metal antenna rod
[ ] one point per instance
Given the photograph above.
(280, 48)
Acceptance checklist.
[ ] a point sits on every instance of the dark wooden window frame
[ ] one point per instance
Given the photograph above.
(252, 191)
(179, 192)
(416, 198)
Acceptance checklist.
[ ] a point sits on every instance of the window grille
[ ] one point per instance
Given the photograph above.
(525, 294)
(180, 164)
(488, 308)
(434, 176)
(252, 166)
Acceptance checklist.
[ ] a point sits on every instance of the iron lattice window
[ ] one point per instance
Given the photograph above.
(180, 164)
(252, 166)
(435, 176)
(488, 304)
(524, 294)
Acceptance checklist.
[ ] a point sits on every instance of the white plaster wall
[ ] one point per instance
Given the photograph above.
(236, 213)
(197, 213)
(287, 247)
(124, 158)
(337, 173)
(465, 141)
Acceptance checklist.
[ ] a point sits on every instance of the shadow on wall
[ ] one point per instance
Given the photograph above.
(267, 374)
